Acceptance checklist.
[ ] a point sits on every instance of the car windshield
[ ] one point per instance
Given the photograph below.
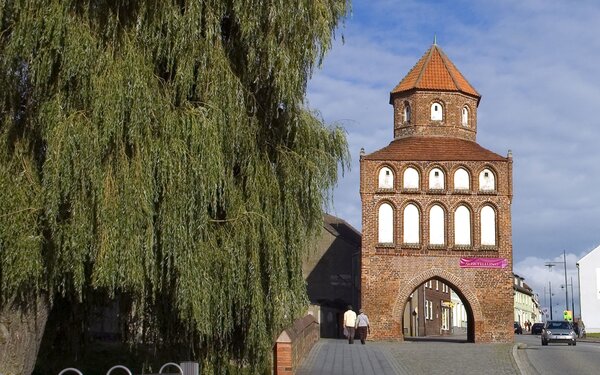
(558, 325)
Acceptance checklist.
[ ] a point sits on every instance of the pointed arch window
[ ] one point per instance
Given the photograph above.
(437, 112)
(410, 178)
(488, 226)
(462, 226)
(386, 178)
(436, 179)
(407, 113)
(437, 220)
(411, 225)
(465, 116)
(462, 179)
(386, 223)
(487, 180)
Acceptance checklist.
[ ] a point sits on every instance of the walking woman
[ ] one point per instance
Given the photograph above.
(362, 325)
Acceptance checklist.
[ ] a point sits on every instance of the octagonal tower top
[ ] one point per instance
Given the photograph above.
(435, 99)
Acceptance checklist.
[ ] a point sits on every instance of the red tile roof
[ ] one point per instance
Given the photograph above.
(434, 149)
(435, 71)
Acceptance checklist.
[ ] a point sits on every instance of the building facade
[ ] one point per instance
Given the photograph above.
(331, 271)
(527, 307)
(436, 206)
(589, 284)
(428, 311)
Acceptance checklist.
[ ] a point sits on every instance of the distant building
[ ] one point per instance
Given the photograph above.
(527, 307)
(459, 314)
(428, 311)
(589, 285)
(332, 274)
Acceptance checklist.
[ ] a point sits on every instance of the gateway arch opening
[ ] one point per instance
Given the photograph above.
(438, 310)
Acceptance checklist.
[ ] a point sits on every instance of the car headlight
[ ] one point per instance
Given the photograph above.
(572, 333)
(548, 332)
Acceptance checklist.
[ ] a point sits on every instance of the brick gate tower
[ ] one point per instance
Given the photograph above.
(436, 205)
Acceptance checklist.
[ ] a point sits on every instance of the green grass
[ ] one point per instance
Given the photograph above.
(592, 335)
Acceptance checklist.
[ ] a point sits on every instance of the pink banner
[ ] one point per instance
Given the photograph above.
(483, 262)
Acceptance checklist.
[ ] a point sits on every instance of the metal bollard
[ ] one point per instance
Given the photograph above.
(170, 364)
(70, 369)
(119, 367)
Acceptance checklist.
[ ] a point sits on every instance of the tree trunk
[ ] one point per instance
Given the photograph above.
(21, 330)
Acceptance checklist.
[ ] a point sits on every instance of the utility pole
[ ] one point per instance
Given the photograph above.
(551, 308)
(566, 289)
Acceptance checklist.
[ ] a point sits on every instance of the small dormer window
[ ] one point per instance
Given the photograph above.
(437, 112)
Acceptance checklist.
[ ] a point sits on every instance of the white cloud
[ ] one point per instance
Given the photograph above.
(541, 278)
(535, 64)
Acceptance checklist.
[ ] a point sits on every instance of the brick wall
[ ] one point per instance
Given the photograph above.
(421, 123)
(294, 344)
(390, 273)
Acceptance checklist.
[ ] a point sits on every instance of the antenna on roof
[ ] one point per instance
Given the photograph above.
(434, 39)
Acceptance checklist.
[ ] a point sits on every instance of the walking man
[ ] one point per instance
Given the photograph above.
(363, 326)
(350, 323)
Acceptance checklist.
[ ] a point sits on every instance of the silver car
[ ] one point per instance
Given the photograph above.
(558, 331)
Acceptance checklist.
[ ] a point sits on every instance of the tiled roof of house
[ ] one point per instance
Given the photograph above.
(435, 71)
(434, 148)
(339, 227)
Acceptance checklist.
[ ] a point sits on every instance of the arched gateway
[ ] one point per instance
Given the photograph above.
(450, 220)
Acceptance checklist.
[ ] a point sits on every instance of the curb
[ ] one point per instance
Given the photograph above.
(523, 365)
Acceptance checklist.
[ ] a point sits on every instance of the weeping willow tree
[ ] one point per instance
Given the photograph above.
(162, 149)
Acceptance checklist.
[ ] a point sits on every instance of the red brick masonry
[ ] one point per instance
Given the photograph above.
(294, 344)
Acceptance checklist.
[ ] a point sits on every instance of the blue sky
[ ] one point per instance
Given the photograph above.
(535, 63)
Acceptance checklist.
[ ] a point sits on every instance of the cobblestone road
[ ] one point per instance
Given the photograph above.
(333, 357)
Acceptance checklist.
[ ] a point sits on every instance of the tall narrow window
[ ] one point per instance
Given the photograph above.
(407, 113)
(461, 179)
(411, 224)
(386, 223)
(436, 179)
(465, 116)
(462, 226)
(437, 112)
(488, 226)
(487, 180)
(410, 178)
(386, 178)
(436, 226)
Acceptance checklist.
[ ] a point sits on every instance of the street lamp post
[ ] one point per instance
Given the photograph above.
(552, 264)
(551, 307)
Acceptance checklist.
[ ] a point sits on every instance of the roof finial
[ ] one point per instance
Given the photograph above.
(434, 39)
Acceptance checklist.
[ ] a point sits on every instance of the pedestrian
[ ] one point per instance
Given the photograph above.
(363, 326)
(350, 323)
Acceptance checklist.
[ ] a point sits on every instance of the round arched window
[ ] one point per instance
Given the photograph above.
(465, 116)
(487, 180)
(386, 178)
(411, 224)
(386, 223)
(437, 111)
(436, 179)
(407, 113)
(436, 225)
(461, 179)
(462, 226)
(488, 226)
(410, 179)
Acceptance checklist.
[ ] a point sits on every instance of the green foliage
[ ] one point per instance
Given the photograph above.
(162, 149)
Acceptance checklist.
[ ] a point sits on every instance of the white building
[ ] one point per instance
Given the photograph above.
(589, 284)
(459, 314)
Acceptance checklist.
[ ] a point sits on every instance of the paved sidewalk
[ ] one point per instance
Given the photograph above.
(333, 357)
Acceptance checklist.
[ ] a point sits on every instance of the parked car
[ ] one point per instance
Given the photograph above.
(558, 331)
(536, 328)
(518, 329)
